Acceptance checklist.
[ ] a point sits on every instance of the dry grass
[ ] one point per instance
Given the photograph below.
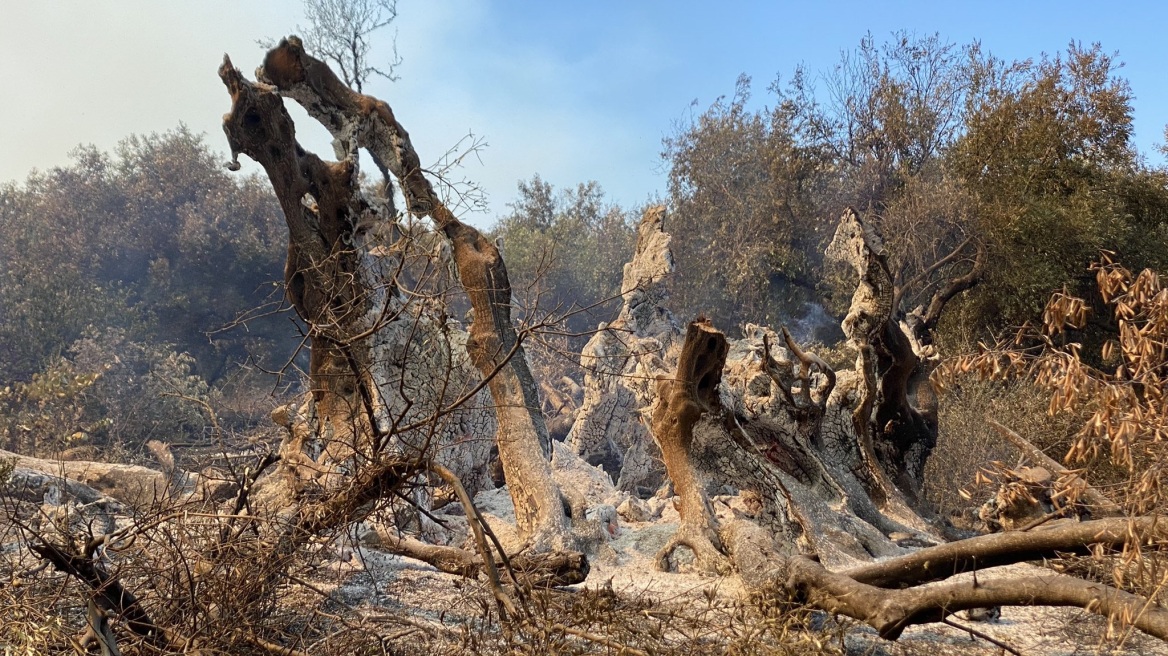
(966, 444)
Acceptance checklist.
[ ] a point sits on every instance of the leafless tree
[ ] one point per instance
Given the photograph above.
(341, 33)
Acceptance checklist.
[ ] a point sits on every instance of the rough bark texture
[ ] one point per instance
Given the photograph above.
(862, 593)
(881, 348)
(1044, 542)
(769, 560)
(805, 444)
(493, 346)
(524, 447)
(540, 570)
(621, 364)
(800, 465)
(797, 436)
(681, 401)
(891, 611)
(788, 400)
(381, 366)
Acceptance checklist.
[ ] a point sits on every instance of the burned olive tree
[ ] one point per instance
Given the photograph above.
(401, 398)
(765, 415)
(621, 362)
(389, 373)
(828, 488)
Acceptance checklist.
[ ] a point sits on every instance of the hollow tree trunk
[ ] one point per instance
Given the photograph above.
(493, 346)
(385, 382)
(802, 464)
(906, 415)
(798, 436)
(375, 388)
(782, 550)
(885, 462)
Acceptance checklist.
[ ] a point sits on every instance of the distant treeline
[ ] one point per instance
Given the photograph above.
(125, 275)
(999, 181)
(122, 277)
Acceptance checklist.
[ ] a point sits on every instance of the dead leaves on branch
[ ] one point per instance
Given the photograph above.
(1122, 403)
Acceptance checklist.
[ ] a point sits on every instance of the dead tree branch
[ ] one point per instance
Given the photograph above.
(1099, 503)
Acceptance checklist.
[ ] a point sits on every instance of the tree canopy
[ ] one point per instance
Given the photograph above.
(1000, 179)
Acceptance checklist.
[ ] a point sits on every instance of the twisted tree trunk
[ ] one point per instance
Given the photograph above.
(783, 548)
(358, 120)
(805, 449)
(796, 435)
(621, 363)
(370, 394)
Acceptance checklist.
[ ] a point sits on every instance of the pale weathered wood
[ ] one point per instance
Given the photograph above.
(129, 484)
(493, 345)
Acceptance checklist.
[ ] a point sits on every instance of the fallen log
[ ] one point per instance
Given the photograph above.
(539, 570)
(130, 484)
(997, 549)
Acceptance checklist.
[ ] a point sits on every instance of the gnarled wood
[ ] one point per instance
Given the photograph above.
(787, 447)
(785, 427)
(862, 593)
(890, 612)
(681, 401)
(386, 375)
(621, 363)
(539, 570)
(130, 484)
(493, 345)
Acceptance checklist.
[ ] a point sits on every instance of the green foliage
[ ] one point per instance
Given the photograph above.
(108, 391)
(142, 391)
(1047, 154)
(741, 187)
(156, 240)
(565, 251)
(45, 414)
(1013, 174)
(757, 193)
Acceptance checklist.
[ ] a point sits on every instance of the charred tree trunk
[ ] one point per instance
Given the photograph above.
(375, 389)
(524, 447)
(906, 417)
(380, 396)
(885, 363)
(884, 595)
(771, 551)
(784, 426)
(802, 465)
(681, 401)
(805, 450)
(494, 347)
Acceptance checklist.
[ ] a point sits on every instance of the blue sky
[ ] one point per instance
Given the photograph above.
(574, 91)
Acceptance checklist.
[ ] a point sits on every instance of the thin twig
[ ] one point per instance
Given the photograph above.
(988, 638)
